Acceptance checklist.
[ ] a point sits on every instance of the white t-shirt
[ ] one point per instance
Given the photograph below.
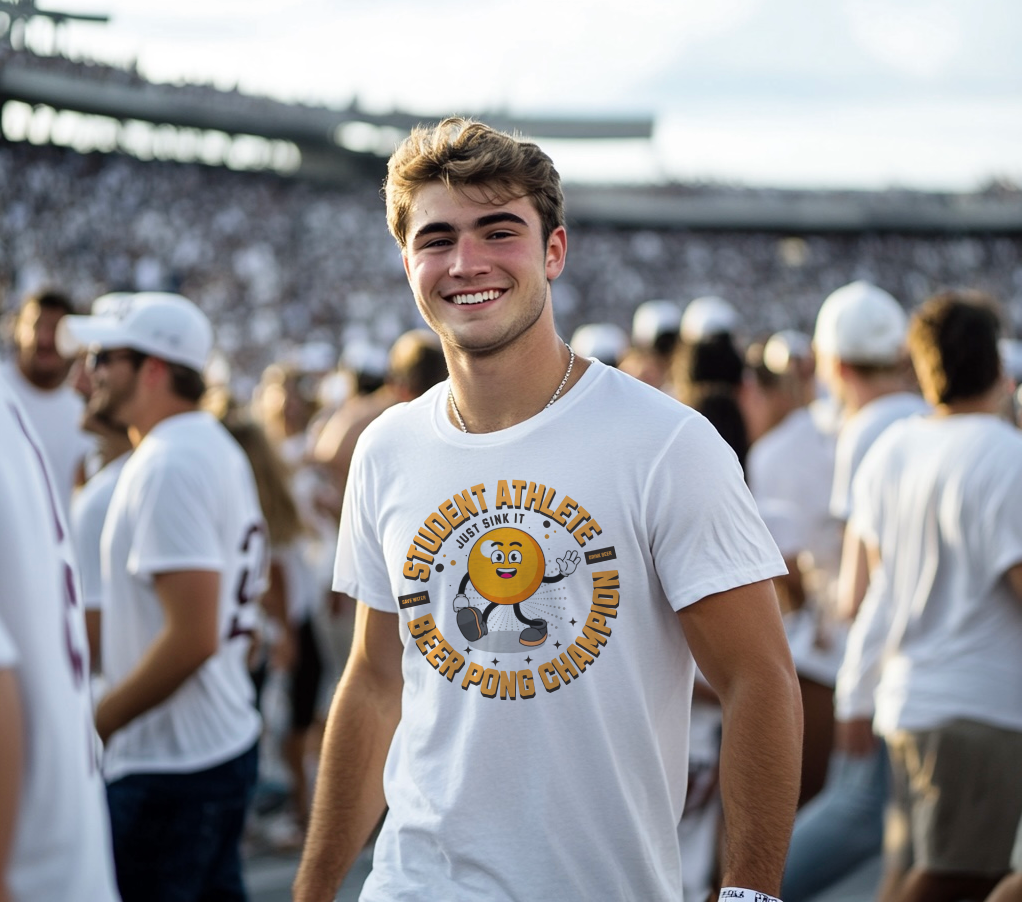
(56, 416)
(941, 499)
(61, 847)
(555, 770)
(89, 507)
(186, 500)
(790, 470)
(859, 433)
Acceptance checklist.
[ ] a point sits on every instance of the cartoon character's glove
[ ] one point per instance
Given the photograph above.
(465, 602)
(569, 563)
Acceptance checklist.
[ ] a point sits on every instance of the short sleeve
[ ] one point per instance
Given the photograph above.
(174, 524)
(706, 533)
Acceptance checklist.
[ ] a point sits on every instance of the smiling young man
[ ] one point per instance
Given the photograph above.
(545, 759)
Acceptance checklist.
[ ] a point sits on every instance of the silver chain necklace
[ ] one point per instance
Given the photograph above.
(554, 397)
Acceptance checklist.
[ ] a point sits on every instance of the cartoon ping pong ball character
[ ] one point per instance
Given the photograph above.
(506, 566)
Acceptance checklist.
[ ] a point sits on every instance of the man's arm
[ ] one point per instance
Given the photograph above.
(349, 798)
(190, 635)
(11, 769)
(739, 643)
(1015, 578)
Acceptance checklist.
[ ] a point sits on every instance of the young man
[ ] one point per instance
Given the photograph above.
(184, 561)
(38, 374)
(936, 503)
(537, 546)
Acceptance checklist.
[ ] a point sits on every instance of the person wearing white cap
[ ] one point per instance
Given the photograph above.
(860, 343)
(184, 562)
(603, 341)
(654, 339)
(790, 467)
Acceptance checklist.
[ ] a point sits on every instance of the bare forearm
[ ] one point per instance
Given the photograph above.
(167, 664)
(11, 769)
(349, 798)
(760, 766)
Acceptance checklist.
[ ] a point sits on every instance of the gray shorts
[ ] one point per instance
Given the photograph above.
(955, 798)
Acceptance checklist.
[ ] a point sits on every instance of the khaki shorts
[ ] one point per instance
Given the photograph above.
(955, 798)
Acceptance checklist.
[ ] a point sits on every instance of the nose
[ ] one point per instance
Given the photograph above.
(469, 257)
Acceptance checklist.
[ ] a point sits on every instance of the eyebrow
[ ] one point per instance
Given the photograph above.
(489, 220)
(519, 544)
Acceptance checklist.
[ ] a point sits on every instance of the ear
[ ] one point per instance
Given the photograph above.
(557, 249)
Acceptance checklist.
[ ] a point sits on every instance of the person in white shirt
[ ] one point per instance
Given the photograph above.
(184, 563)
(860, 346)
(545, 759)
(937, 504)
(38, 374)
(54, 827)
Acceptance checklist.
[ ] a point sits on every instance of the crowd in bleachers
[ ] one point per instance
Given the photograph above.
(277, 262)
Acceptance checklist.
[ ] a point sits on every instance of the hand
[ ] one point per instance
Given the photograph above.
(569, 563)
(855, 737)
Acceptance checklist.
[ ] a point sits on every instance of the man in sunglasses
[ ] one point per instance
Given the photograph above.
(184, 562)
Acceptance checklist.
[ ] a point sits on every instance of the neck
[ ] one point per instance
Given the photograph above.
(171, 407)
(989, 402)
(496, 391)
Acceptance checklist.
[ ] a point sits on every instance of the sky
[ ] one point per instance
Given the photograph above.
(778, 93)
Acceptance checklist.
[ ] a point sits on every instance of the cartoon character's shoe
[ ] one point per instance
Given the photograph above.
(535, 634)
(470, 622)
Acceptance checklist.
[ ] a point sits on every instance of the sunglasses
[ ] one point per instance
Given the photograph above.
(108, 356)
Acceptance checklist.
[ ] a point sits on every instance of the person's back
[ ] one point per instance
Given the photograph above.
(934, 655)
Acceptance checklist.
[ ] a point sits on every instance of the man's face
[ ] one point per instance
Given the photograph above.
(480, 271)
(35, 338)
(115, 380)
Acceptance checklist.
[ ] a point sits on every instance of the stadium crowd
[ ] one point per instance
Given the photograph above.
(793, 347)
(278, 262)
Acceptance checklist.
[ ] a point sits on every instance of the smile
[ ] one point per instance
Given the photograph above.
(506, 573)
(477, 297)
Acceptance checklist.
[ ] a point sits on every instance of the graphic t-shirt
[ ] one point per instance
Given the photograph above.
(536, 573)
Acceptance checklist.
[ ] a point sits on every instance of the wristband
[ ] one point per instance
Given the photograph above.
(744, 893)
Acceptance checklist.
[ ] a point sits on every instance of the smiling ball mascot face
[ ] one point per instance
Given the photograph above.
(506, 566)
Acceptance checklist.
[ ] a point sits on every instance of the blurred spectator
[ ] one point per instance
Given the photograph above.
(655, 335)
(603, 341)
(38, 373)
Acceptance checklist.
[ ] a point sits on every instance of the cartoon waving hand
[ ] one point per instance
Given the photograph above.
(569, 563)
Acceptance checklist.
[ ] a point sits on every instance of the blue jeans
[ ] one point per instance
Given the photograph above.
(178, 836)
(840, 828)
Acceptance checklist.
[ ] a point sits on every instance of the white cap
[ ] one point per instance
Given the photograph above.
(604, 341)
(653, 319)
(784, 347)
(861, 324)
(707, 316)
(161, 324)
(365, 358)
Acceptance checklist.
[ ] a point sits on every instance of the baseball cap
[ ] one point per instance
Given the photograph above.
(160, 324)
(652, 319)
(604, 341)
(784, 347)
(707, 316)
(860, 323)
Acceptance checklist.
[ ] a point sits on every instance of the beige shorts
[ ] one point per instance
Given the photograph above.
(955, 798)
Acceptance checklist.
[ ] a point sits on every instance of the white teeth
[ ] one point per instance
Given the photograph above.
(477, 298)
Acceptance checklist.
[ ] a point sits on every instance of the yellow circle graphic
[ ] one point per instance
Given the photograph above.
(506, 566)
